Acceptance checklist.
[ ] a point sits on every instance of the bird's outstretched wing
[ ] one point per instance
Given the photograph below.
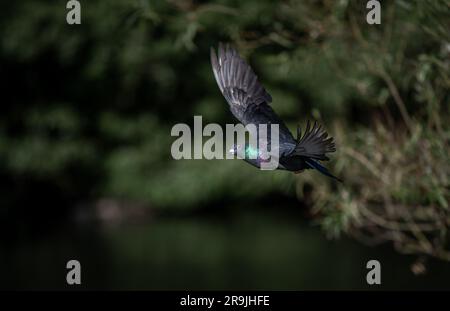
(248, 100)
(237, 81)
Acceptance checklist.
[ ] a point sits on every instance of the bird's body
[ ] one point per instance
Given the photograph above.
(250, 104)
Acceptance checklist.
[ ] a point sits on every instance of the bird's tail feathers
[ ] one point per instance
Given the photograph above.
(316, 165)
(315, 143)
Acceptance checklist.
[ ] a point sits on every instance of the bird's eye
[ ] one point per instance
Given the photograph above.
(233, 150)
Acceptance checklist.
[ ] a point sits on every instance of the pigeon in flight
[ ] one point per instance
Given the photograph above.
(250, 104)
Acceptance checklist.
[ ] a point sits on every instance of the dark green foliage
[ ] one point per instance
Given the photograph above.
(88, 109)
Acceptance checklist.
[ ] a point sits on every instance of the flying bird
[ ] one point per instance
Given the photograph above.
(250, 103)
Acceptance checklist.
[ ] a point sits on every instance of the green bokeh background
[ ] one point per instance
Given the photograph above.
(85, 164)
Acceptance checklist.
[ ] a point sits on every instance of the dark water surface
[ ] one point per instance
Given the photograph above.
(248, 248)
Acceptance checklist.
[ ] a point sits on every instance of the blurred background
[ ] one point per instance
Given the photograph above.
(85, 164)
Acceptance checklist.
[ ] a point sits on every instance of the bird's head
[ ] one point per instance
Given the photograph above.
(246, 152)
(236, 149)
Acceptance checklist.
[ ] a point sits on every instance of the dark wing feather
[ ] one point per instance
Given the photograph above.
(248, 100)
(237, 81)
(264, 114)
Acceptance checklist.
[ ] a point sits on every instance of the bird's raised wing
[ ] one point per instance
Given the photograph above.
(248, 100)
(237, 81)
